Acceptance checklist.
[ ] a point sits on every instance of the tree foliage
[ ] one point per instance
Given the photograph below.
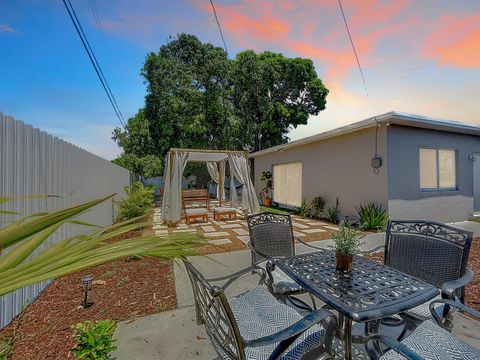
(198, 98)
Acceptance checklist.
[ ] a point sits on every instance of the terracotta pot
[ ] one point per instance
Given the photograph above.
(267, 202)
(344, 262)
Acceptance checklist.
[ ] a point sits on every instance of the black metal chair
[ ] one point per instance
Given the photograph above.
(271, 235)
(254, 325)
(432, 251)
(433, 340)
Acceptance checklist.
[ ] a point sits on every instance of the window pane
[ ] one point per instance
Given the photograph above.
(428, 168)
(446, 169)
(279, 184)
(294, 184)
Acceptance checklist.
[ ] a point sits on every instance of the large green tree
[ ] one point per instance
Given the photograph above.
(198, 98)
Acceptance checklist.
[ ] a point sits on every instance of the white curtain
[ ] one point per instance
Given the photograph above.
(233, 191)
(239, 169)
(214, 172)
(172, 195)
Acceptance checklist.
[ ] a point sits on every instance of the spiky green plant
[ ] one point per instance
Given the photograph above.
(347, 240)
(332, 213)
(317, 206)
(372, 217)
(94, 339)
(138, 202)
(77, 252)
(304, 209)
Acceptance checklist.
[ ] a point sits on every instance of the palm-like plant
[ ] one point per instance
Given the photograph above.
(77, 252)
(372, 217)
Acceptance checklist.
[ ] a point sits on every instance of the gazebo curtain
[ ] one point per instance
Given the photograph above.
(172, 196)
(214, 170)
(239, 169)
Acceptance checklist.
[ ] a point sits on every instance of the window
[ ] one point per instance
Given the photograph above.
(437, 169)
(287, 183)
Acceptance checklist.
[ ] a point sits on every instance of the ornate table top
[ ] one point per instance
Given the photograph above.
(370, 291)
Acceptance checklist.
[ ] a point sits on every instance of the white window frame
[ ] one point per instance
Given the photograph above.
(286, 183)
(437, 168)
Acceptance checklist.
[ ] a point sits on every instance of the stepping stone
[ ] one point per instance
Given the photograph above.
(301, 226)
(208, 228)
(298, 233)
(317, 223)
(160, 227)
(161, 232)
(229, 226)
(184, 231)
(182, 226)
(216, 234)
(240, 231)
(312, 231)
(244, 238)
(220, 241)
(335, 228)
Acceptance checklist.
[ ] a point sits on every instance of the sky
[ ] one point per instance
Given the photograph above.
(417, 56)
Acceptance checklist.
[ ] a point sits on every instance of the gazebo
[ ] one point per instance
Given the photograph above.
(216, 161)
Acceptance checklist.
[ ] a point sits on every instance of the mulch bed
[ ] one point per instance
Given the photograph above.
(472, 290)
(129, 288)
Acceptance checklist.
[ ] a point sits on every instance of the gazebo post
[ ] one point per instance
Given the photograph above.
(221, 173)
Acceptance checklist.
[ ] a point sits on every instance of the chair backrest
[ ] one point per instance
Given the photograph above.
(432, 251)
(271, 234)
(213, 310)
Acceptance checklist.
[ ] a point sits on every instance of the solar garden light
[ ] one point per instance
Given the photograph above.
(86, 286)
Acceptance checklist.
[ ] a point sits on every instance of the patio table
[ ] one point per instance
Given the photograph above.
(370, 291)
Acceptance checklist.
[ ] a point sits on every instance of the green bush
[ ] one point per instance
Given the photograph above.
(304, 209)
(317, 206)
(372, 217)
(138, 202)
(332, 213)
(347, 240)
(94, 339)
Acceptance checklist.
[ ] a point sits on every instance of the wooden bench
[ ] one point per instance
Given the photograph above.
(220, 212)
(195, 195)
(195, 214)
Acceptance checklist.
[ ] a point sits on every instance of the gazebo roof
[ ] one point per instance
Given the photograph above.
(203, 155)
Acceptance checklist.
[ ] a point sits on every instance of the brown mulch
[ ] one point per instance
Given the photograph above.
(472, 290)
(131, 288)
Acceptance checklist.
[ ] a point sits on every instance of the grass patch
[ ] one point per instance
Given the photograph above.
(275, 210)
(476, 219)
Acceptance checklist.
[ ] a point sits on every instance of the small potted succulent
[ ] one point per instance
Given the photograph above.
(346, 243)
(267, 178)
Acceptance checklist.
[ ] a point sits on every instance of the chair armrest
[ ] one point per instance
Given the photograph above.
(288, 335)
(396, 346)
(231, 278)
(449, 287)
(456, 304)
(307, 244)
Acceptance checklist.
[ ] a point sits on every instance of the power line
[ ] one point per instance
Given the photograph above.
(93, 7)
(353, 46)
(219, 27)
(93, 59)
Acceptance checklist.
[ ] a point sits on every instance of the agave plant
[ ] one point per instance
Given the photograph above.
(77, 252)
(372, 217)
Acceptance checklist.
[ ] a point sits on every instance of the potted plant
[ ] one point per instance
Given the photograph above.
(267, 178)
(346, 243)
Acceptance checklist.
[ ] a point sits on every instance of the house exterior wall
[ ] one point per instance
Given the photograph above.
(405, 199)
(336, 167)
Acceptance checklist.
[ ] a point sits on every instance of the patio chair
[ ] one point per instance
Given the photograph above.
(432, 340)
(271, 235)
(254, 325)
(434, 252)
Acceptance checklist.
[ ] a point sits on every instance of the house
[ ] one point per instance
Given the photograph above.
(416, 167)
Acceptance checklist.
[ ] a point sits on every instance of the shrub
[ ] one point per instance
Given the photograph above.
(94, 339)
(317, 206)
(372, 217)
(304, 209)
(347, 240)
(332, 213)
(138, 202)
(267, 178)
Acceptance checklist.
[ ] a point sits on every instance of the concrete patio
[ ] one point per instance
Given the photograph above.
(175, 335)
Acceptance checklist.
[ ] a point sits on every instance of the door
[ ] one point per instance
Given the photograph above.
(476, 184)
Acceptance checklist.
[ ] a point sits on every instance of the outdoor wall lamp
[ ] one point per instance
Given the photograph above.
(86, 286)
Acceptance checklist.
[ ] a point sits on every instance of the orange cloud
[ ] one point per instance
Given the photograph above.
(455, 41)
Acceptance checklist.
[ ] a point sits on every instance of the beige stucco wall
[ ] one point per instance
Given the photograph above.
(339, 166)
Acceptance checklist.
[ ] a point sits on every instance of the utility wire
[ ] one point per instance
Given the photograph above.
(93, 59)
(353, 46)
(93, 7)
(219, 27)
